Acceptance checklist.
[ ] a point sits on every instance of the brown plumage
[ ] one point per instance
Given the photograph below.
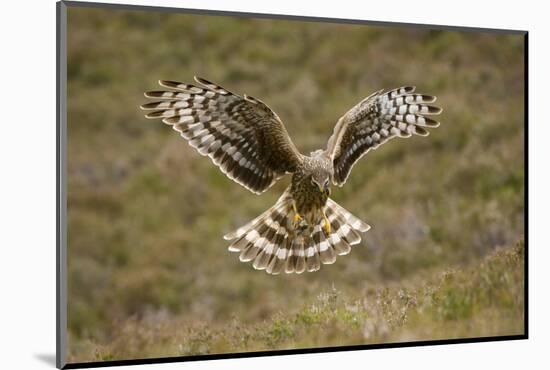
(248, 141)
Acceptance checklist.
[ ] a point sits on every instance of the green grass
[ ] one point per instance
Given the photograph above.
(454, 303)
(149, 272)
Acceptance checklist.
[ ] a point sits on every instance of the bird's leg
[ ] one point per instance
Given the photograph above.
(300, 224)
(326, 223)
(297, 216)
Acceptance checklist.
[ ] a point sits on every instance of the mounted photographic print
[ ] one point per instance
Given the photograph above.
(235, 184)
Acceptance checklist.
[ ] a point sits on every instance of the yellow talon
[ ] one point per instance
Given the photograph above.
(297, 216)
(326, 225)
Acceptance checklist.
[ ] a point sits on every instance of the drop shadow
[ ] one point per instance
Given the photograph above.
(47, 358)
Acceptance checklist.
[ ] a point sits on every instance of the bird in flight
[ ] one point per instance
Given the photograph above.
(249, 143)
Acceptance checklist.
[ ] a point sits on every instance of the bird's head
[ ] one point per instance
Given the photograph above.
(321, 180)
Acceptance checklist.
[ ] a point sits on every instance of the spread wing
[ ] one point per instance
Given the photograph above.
(241, 135)
(376, 119)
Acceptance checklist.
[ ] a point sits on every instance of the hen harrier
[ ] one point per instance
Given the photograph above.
(249, 143)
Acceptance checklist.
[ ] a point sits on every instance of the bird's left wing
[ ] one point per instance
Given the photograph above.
(376, 119)
(241, 135)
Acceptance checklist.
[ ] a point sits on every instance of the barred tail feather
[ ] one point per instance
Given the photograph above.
(272, 244)
(263, 240)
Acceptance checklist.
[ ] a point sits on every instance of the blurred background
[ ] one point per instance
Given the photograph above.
(149, 272)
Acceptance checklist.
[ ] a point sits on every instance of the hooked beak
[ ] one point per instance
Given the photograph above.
(325, 188)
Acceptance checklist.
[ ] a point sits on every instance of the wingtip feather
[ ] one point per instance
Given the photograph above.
(199, 79)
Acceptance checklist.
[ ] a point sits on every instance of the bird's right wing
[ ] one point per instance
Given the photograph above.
(241, 135)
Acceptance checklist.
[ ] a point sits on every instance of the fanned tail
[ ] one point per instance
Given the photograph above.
(272, 243)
